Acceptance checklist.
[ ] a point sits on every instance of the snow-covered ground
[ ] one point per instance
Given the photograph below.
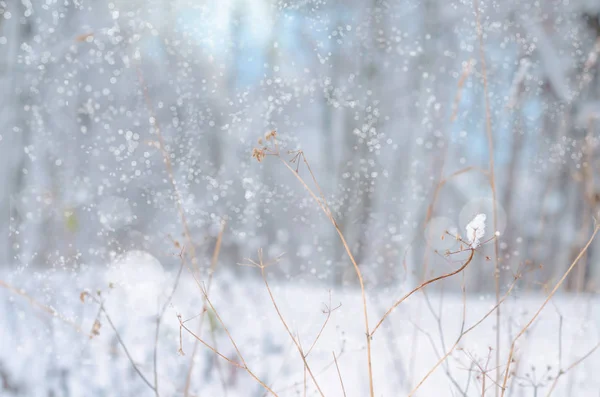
(45, 355)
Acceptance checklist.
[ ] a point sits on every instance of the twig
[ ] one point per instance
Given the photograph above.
(159, 320)
(438, 319)
(461, 82)
(422, 285)
(204, 292)
(243, 366)
(556, 287)
(304, 383)
(327, 311)
(491, 176)
(213, 265)
(339, 373)
(322, 203)
(217, 363)
(483, 370)
(133, 364)
(262, 267)
(199, 339)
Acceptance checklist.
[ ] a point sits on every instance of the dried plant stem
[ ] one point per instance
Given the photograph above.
(213, 266)
(217, 363)
(422, 285)
(588, 187)
(438, 319)
(287, 328)
(159, 320)
(328, 311)
(244, 365)
(339, 373)
(325, 208)
(484, 371)
(237, 350)
(133, 364)
(204, 292)
(556, 287)
(214, 350)
(491, 177)
(461, 82)
(304, 387)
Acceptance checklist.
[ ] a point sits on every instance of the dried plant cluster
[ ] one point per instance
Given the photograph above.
(468, 245)
(494, 374)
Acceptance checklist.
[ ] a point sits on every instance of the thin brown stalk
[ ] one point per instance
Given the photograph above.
(217, 363)
(483, 385)
(238, 352)
(304, 386)
(483, 370)
(491, 176)
(214, 310)
(535, 316)
(296, 342)
(243, 366)
(461, 82)
(438, 318)
(328, 310)
(214, 350)
(180, 210)
(339, 373)
(120, 340)
(159, 320)
(325, 208)
(430, 208)
(422, 285)
(305, 381)
(588, 188)
(213, 266)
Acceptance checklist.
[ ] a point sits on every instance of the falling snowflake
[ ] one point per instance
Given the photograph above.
(476, 230)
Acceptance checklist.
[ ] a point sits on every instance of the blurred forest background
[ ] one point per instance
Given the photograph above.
(386, 98)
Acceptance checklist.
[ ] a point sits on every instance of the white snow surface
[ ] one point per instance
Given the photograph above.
(43, 355)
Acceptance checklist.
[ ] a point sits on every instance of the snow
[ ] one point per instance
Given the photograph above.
(40, 353)
(476, 230)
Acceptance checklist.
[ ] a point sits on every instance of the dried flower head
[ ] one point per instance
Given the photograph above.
(258, 154)
(270, 135)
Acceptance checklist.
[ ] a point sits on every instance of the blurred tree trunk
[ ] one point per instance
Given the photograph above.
(586, 197)
(8, 29)
(330, 148)
(359, 137)
(14, 133)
